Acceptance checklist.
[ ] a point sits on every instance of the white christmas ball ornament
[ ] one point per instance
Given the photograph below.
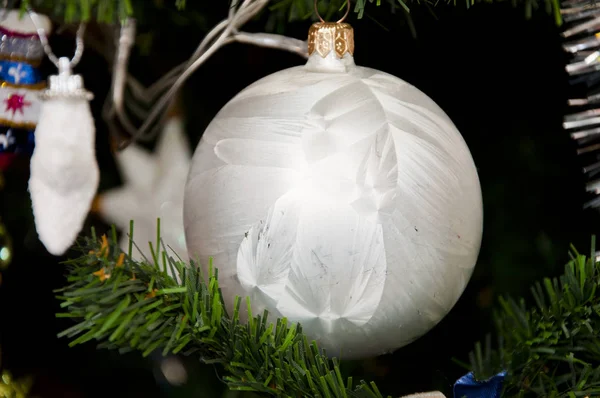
(339, 197)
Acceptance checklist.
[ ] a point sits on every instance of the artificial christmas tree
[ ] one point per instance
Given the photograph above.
(529, 182)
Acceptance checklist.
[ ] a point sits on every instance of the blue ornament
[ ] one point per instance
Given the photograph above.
(29, 145)
(17, 141)
(19, 73)
(468, 387)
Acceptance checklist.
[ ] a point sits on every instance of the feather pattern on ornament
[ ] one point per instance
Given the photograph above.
(346, 201)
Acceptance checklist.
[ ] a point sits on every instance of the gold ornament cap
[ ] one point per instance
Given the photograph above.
(327, 37)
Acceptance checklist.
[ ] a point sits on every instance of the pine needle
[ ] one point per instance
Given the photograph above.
(551, 349)
(141, 306)
(111, 11)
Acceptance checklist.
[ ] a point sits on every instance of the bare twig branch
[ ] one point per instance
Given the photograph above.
(225, 32)
(274, 41)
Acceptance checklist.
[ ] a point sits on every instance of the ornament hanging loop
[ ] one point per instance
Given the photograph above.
(65, 84)
(48, 50)
(341, 19)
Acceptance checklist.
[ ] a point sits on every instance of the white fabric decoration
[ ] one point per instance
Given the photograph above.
(153, 188)
(339, 197)
(64, 172)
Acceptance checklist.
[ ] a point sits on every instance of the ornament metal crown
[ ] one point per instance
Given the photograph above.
(325, 37)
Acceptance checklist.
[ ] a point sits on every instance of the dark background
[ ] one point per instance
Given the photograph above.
(499, 77)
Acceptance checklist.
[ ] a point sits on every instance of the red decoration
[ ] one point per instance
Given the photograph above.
(16, 103)
(6, 159)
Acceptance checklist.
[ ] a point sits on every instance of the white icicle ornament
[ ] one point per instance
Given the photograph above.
(64, 173)
(339, 197)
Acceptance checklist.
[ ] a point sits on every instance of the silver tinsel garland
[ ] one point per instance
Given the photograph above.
(582, 44)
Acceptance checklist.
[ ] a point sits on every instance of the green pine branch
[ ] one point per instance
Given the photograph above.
(110, 11)
(553, 348)
(304, 9)
(104, 11)
(128, 305)
(549, 350)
